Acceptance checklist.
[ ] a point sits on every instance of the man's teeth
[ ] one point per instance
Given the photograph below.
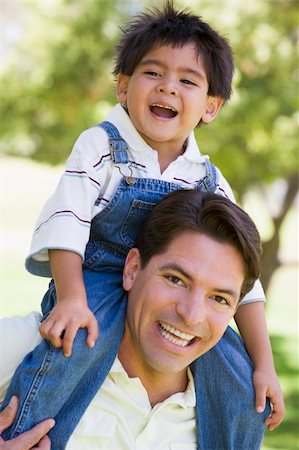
(169, 332)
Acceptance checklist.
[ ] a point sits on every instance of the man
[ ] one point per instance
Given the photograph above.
(197, 256)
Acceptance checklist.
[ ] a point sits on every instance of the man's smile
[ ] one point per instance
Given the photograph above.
(174, 335)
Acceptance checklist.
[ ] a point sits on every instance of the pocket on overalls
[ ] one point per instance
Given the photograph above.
(93, 252)
(136, 216)
(100, 257)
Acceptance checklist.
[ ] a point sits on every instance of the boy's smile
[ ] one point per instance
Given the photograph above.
(166, 97)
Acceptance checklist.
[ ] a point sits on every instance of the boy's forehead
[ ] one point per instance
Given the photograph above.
(170, 48)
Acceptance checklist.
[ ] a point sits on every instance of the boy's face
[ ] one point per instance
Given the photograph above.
(166, 96)
(180, 303)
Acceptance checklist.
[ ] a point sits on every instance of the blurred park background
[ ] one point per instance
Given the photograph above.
(55, 77)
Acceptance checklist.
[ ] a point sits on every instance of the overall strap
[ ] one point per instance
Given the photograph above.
(209, 182)
(118, 146)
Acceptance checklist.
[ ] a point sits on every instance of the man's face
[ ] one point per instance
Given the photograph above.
(167, 95)
(180, 304)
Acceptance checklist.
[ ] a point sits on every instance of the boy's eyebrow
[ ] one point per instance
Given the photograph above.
(157, 62)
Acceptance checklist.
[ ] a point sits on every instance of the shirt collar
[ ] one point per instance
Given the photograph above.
(185, 399)
(119, 117)
(122, 121)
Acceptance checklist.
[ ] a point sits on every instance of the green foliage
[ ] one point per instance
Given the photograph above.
(60, 74)
(58, 82)
(255, 140)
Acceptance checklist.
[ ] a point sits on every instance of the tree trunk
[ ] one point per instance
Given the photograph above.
(270, 259)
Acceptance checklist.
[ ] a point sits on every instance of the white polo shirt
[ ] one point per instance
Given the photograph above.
(120, 416)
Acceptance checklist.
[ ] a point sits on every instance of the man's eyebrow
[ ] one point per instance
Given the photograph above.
(235, 295)
(157, 62)
(175, 268)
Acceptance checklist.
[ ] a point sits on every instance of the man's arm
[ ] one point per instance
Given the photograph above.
(29, 439)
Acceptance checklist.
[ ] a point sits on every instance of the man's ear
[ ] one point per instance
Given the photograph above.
(131, 269)
(212, 109)
(122, 87)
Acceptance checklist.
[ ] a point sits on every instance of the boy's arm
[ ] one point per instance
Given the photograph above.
(250, 319)
(71, 311)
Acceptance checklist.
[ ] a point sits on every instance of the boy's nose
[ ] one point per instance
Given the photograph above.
(168, 88)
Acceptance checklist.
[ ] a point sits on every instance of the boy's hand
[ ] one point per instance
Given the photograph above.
(267, 385)
(64, 321)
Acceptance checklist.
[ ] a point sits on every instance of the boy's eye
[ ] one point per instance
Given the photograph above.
(188, 82)
(152, 73)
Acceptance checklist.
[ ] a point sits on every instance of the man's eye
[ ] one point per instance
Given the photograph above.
(175, 280)
(188, 82)
(221, 300)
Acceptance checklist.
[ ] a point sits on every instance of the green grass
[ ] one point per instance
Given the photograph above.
(23, 190)
(285, 351)
(282, 317)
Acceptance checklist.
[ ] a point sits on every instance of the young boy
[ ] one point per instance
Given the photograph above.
(173, 72)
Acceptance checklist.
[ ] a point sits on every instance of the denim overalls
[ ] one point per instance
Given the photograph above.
(50, 385)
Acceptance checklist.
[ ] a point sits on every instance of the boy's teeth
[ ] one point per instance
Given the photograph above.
(169, 332)
(163, 111)
(163, 106)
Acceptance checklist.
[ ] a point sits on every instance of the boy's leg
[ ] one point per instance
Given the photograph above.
(46, 381)
(225, 398)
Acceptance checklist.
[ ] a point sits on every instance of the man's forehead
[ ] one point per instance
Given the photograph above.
(196, 255)
(192, 244)
(186, 240)
(185, 250)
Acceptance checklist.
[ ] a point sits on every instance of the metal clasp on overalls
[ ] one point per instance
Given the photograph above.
(120, 158)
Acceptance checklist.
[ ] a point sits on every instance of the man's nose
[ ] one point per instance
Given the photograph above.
(193, 310)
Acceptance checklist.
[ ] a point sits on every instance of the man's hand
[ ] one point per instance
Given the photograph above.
(37, 436)
(267, 385)
(64, 321)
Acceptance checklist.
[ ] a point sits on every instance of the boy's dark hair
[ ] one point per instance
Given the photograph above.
(170, 26)
(202, 212)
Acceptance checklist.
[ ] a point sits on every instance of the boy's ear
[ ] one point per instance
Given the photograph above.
(122, 87)
(212, 109)
(131, 268)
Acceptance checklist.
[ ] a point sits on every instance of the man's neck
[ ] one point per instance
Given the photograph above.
(159, 390)
(159, 386)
